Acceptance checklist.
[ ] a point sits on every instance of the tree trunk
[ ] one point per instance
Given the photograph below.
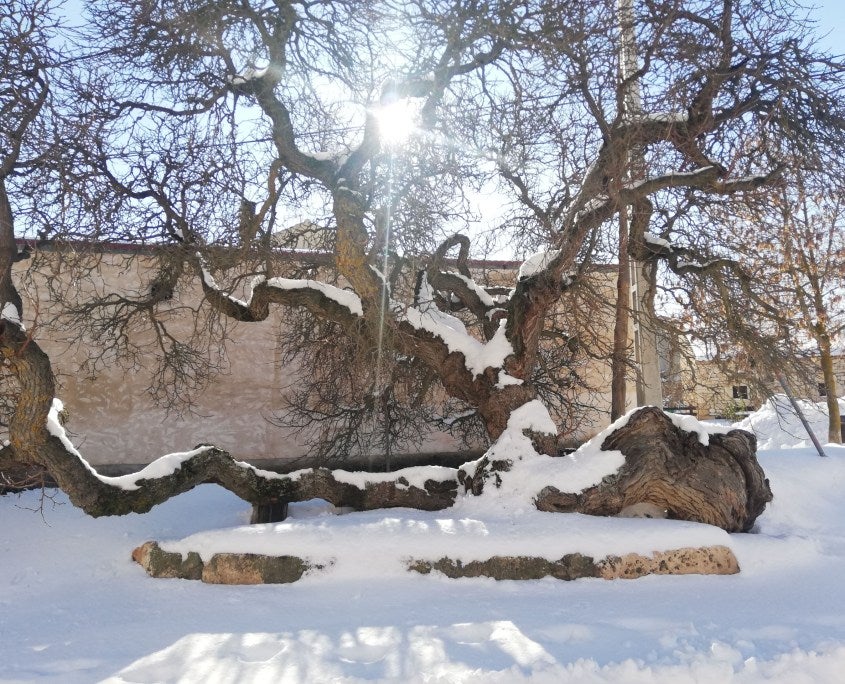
(8, 251)
(720, 483)
(497, 406)
(834, 425)
(619, 359)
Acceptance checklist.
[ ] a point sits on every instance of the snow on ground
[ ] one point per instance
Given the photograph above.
(75, 608)
(777, 425)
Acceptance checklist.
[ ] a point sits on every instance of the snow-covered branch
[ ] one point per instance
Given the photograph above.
(429, 488)
(478, 356)
(328, 301)
(702, 177)
(38, 438)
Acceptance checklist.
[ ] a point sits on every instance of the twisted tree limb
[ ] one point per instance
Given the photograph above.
(33, 443)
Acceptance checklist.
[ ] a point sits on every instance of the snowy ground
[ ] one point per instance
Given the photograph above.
(777, 425)
(74, 608)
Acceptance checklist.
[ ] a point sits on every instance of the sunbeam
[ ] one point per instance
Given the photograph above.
(397, 121)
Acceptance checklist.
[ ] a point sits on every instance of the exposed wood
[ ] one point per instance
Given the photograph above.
(720, 484)
(221, 568)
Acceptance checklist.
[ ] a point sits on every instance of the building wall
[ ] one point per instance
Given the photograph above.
(113, 419)
(731, 392)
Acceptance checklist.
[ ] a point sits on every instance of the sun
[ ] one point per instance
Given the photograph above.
(397, 121)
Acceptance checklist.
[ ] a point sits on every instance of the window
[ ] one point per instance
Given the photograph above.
(740, 391)
(822, 390)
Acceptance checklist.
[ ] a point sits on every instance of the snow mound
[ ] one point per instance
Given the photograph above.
(777, 426)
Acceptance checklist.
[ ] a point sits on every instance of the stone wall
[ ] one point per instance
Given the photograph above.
(112, 417)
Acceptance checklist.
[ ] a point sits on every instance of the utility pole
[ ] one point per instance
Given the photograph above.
(646, 356)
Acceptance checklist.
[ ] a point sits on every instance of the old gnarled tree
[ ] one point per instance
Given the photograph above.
(274, 107)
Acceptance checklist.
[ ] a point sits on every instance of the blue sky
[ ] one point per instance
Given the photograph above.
(829, 13)
(831, 17)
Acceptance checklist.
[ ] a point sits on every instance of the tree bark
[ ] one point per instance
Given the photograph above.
(834, 425)
(619, 359)
(720, 484)
(8, 251)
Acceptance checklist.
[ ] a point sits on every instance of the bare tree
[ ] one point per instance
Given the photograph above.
(24, 101)
(814, 257)
(266, 107)
(797, 253)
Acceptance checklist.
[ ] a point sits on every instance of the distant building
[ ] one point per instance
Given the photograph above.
(734, 390)
(305, 236)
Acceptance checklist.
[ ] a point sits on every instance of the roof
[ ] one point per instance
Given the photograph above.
(314, 256)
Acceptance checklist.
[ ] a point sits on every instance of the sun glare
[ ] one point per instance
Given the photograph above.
(397, 121)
